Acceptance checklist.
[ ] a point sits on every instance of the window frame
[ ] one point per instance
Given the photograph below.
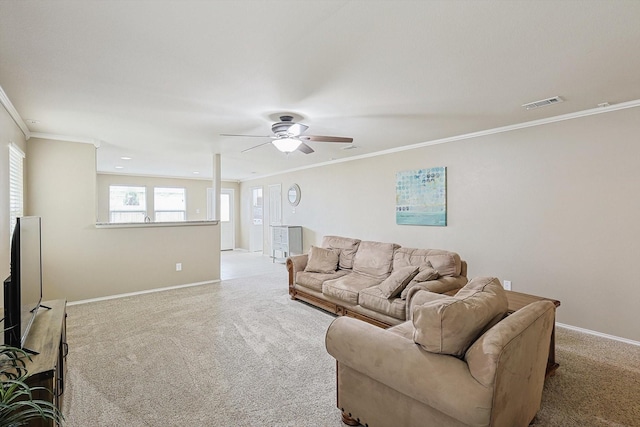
(114, 212)
(156, 211)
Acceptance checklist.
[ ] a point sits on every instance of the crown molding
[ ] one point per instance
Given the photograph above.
(95, 142)
(509, 128)
(6, 103)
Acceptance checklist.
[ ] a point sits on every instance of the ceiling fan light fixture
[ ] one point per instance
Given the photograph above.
(287, 145)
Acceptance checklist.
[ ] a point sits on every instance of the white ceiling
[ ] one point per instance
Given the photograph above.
(159, 81)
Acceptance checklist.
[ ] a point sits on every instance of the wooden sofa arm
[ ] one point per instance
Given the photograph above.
(294, 264)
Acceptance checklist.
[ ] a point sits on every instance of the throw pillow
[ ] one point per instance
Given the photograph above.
(427, 264)
(426, 272)
(450, 325)
(395, 283)
(322, 260)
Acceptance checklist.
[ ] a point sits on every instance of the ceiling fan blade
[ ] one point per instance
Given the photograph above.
(305, 148)
(297, 128)
(248, 136)
(325, 138)
(259, 145)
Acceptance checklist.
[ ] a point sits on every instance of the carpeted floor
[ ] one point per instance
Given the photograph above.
(597, 384)
(241, 353)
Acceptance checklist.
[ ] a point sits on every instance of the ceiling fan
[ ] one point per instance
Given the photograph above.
(287, 137)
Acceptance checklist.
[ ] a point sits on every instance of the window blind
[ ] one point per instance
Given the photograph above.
(16, 186)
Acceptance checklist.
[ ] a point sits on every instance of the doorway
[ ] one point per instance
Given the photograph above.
(227, 224)
(227, 215)
(256, 231)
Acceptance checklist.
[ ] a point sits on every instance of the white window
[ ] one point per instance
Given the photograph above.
(127, 203)
(16, 186)
(169, 204)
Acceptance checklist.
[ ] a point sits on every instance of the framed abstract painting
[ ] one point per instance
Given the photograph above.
(421, 197)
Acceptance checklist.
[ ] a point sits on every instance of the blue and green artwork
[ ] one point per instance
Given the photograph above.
(421, 197)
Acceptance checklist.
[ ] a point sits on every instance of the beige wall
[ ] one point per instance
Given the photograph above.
(553, 208)
(9, 132)
(81, 261)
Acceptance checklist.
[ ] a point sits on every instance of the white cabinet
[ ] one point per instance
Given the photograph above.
(286, 239)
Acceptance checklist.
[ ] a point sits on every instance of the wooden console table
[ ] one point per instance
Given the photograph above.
(47, 369)
(517, 300)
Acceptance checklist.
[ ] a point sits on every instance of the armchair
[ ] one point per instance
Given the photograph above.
(384, 378)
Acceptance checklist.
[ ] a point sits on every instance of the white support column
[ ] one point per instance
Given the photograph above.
(216, 187)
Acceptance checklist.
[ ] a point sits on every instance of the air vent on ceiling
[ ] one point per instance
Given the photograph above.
(543, 103)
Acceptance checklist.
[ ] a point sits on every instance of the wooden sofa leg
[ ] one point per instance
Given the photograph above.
(349, 421)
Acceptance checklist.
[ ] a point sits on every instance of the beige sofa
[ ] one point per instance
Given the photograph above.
(459, 362)
(371, 281)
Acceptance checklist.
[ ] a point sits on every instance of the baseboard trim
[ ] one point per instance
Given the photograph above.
(148, 291)
(599, 334)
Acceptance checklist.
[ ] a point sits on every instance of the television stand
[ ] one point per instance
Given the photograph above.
(28, 350)
(47, 368)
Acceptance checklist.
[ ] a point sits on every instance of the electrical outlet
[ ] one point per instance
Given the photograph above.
(507, 285)
(178, 266)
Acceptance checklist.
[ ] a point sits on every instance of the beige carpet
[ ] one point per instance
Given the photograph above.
(241, 353)
(597, 384)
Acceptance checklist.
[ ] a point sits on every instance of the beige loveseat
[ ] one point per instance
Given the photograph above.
(371, 281)
(459, 362)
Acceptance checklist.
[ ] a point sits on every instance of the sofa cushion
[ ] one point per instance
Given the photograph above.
(374, 299)
(346, 288)
(395, 283)
(322, 260)
(450, 325)
(374, 259)
(348, 248)
(404, 329)
(447, 263)
(315, 280)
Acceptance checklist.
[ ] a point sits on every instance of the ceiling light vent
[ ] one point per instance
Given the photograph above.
(543, 103)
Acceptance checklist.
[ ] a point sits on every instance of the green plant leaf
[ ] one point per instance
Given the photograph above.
(17, 405)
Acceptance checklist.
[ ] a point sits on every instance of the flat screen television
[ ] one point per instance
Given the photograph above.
(23, 288)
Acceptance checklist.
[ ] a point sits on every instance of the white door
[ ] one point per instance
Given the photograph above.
(275, 210)
(227, 225)
(275, 204)
(256, 232)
